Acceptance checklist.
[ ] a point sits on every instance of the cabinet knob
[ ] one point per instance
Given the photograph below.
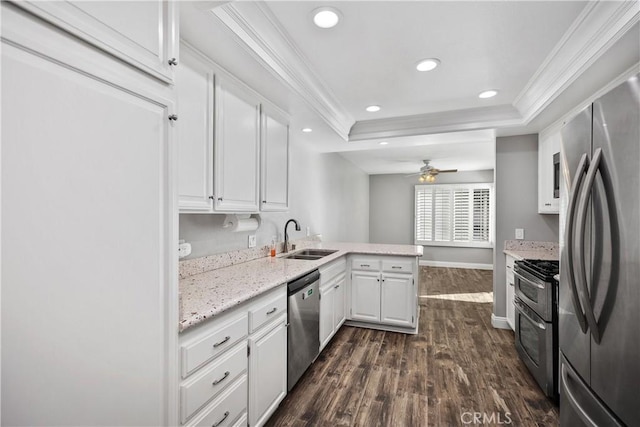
(547, 204)
(173, 117)
(219, 199)
(173, 61)
(211, 197)
(264, 201)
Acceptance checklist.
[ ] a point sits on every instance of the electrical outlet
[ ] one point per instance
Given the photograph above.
(520, 233)
(252, 240)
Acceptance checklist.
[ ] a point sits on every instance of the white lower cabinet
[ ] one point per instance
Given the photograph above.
(384, 292)
(332, 304)
(234, 367)
(398, 297)
(365, 296)
(267, 371)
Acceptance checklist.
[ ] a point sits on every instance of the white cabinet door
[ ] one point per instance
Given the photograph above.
(339, 303)
(237, 149)
(274, 188)
(547, 147)
(398, 298)
(194, 89)
(267, 372)
(365, 296)
(88, 187)
(327, 307)
(142, 33)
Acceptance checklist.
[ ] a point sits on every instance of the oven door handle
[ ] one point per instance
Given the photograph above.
(583, 207)
(521, 276)
(573, 197)
(522, 311)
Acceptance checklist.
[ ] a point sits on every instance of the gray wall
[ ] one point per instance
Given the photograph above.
(517, 204)
(328, 194)
(391, 214)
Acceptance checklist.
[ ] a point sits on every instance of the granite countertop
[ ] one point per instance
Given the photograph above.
(208, 294)
(524, 249)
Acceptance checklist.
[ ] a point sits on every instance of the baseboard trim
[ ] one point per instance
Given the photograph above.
(499, 322)
(470, 265)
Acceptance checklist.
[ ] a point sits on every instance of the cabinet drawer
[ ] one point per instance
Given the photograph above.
(365, 264)
(228, 409)
(196, 353)
(401, 266)
(266, 311)
(327, 273)
(212, 380)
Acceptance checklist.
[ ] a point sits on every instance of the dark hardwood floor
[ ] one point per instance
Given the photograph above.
(458, 365)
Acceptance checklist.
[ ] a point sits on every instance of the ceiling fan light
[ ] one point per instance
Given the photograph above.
(421, 178)
(431, 178)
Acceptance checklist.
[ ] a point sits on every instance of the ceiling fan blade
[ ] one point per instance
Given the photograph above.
(447, 170)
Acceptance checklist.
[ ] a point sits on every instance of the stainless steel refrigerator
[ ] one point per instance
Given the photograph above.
(599, 294)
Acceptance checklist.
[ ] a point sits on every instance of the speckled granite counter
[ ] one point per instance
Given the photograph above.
(210, 293)
(526, 249)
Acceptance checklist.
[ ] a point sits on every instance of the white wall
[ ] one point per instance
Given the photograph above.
(328, 194)
(391, 215)
(517, 205)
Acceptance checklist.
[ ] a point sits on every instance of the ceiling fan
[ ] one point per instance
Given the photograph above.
(428, 173)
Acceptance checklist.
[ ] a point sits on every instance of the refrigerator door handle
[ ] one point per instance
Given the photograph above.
(595, 419)
(573, 197)
(583, 207)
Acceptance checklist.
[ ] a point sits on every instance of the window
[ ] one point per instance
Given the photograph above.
(454, 215)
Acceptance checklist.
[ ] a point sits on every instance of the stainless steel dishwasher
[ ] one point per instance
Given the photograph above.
(303, 338)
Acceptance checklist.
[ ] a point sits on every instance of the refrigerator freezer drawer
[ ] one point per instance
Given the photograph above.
(578, 405)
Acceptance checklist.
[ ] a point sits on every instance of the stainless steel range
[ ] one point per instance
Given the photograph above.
(536, 320)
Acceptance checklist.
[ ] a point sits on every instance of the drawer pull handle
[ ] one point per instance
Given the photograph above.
(396, 266)
(226, 414)
(365, 265)
(224, 377)
(218, 344)
(273, 310)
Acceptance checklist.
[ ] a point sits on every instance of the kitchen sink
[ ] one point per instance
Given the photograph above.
(310, 254)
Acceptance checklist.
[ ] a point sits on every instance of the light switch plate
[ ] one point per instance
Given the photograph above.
(520, 233)
(252, 240)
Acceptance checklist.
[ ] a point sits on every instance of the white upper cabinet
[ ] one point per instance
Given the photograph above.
(274, 188)
(234, 145)
(194, 92)
(236, 149)
(141, 33)
(548, 168)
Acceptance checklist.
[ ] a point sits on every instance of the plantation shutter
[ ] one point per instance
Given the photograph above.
(424, 209)
(442, 213)
(461, 217)
(453, 215)
(481, 214)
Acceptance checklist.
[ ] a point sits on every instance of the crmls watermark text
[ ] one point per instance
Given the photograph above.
(479, 418)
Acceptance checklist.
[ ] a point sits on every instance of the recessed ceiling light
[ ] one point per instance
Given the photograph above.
(488, 94)
(383, 143)
(326, 17)
(373, 108)
(307, 130)
(427, 64)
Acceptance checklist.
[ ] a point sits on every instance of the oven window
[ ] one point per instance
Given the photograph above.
(528, 290)
(528, 335)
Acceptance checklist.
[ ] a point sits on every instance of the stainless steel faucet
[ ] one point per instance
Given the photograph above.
(286, 235)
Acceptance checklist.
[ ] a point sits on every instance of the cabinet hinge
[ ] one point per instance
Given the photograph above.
(412, 320)
(319, 297)
(248, 350)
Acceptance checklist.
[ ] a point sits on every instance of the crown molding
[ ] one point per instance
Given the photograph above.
(265, 39)
(438, 122)
(596, 29)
